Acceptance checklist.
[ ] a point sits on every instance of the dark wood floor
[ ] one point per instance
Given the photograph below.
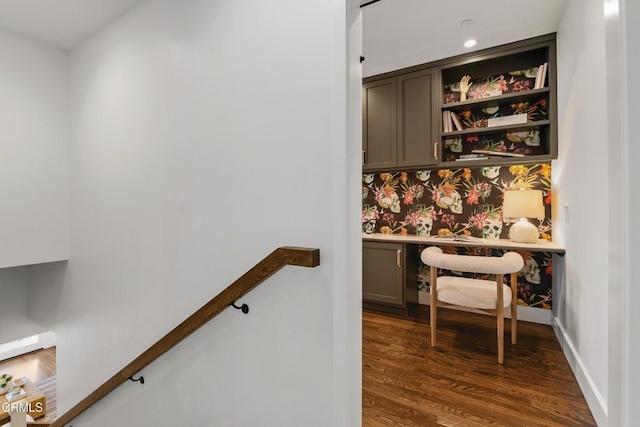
(460, 383)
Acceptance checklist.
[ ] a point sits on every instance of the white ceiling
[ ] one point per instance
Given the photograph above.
(396, 33)
(60, 23)
(401, 33)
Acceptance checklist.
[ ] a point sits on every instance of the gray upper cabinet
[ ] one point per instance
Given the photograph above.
(400, 121)
(379, 125)
(418, 118)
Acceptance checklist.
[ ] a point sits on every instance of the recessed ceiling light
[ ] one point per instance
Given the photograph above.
(470, 43)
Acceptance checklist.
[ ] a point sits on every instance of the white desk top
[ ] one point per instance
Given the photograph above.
(473, 242)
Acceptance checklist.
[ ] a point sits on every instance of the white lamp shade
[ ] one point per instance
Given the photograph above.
(522, 204)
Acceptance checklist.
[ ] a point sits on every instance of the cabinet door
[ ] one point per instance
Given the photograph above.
(379, 124)
(418, 115)
(382, 273)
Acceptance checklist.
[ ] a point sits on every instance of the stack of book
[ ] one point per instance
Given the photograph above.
(541, 76)
(449, 121)
(473, 156)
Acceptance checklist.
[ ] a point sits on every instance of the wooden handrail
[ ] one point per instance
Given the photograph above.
(304, 257)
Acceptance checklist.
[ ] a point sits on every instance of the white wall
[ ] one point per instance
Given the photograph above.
(33, 152)
(580, 177)
(14, 300)
(631, 198)
(206, 134)
(34, 176)
(622, 34)
(29, 298)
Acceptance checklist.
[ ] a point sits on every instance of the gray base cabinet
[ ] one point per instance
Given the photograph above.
(390, 277)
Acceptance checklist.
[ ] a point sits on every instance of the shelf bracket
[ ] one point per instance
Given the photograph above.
(140, 379)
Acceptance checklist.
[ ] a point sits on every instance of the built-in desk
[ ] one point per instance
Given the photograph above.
(390, 264)
(473, 242)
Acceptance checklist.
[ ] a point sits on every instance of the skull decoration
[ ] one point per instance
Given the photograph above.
(490, 110)
(452, 202)
(454, 145)
(532, 139)
(370, 216)
(424, 224)
(423, 175)
(367, 178)
(391, 202)
(492, 228)
(369, 226)
(456, 204)
(532, 271)
(491, 172)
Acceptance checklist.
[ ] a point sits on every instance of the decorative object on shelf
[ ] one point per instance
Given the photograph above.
(5, 383)
(465, 85)
(507, 120)
(519, 205)
(497, 153)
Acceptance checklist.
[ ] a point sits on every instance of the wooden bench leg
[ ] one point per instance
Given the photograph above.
(500, 318)
(514, 307)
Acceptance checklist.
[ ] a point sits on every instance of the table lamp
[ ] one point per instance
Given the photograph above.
(519, 205)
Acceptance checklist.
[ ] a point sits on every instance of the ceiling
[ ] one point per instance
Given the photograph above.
(401, 33)
(396, 33)
(60, 23)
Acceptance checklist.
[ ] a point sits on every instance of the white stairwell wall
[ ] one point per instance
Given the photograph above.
(204, 135)
(34, 161)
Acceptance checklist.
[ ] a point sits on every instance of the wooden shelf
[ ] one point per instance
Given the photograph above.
(497, 129)
(495, 101)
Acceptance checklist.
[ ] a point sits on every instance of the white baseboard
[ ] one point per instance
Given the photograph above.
(592, 395)
(526, 314)
(27, 345)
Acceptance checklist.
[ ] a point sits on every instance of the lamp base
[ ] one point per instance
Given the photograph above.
(524, 232)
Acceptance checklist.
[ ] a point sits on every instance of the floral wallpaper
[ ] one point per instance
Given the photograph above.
(461, 201)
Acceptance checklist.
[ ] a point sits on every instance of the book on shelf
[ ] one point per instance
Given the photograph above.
(497, 153)
(473, 156)
(464, 159)
(456, 120)
(446, 121)
(536, 85)
(541, 76)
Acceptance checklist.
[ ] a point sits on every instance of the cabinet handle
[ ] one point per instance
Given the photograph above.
(362, 157)
(398, 256)
(435, 150)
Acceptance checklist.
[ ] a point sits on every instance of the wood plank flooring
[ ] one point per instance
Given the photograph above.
(36, 365)
(459, 383)
(40, 367)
